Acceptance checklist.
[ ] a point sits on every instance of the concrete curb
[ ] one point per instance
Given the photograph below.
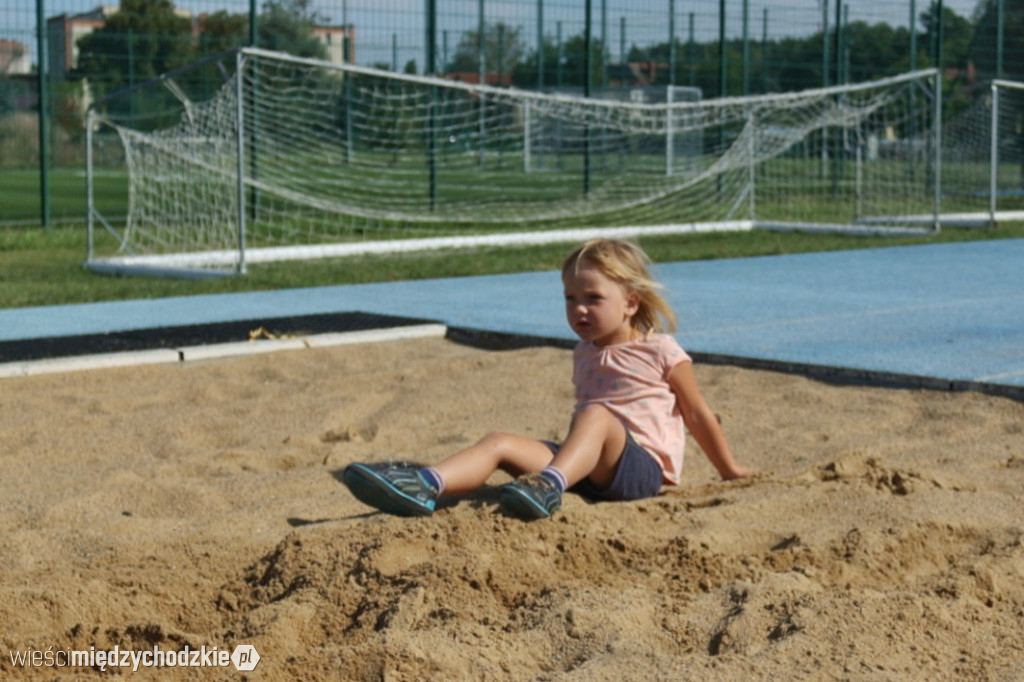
(215, 351)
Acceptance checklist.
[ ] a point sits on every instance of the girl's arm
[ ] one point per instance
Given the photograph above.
(702, 422)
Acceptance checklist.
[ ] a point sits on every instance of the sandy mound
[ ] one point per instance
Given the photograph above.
(198, 505)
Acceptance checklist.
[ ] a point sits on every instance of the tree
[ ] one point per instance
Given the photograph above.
(284, 25)
(6, 97)
(875, 50)
(287, 26)
(503, 49)
(571, 72)
(223, 31)
(957, 33)
(144, 39)
(983, 47)
(696, 64)
(524, 74)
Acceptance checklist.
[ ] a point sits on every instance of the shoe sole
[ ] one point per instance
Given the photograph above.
(521, 505)
(371, 489)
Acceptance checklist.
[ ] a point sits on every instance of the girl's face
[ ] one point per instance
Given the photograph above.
(598, 309)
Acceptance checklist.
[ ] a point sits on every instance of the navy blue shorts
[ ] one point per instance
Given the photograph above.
(637, 476)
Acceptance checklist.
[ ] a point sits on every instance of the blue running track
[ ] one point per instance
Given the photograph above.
(941, 315)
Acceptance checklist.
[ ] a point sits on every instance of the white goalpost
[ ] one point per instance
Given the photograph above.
(294, 158)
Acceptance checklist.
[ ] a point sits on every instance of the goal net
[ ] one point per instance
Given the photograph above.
(298, 158)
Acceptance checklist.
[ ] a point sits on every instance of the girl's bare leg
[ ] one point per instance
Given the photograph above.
(593, 448)
(469, 469)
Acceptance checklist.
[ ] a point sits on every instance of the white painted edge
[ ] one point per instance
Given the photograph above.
(238, 349)
(377, 335)
(80, 362)
(215, 351)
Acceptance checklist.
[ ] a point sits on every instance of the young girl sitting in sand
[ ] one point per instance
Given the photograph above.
(636, 394)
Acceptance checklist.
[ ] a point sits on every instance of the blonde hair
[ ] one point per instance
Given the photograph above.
(627, 264)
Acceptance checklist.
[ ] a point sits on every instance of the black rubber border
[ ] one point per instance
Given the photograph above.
(843, 376)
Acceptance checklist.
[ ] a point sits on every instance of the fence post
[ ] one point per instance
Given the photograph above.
(671, 43)
(90, 205)
(253, 35)
(431, 70)
(588, 79)
(993, 158)
(937, 137)
(540, 44)
(240, 157)
(44, 113)
(1000, 36)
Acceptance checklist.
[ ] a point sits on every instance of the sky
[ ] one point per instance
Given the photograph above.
(387, 29)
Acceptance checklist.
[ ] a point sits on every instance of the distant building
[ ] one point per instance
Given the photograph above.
(63, 33)
(14, 58)
(338, 40)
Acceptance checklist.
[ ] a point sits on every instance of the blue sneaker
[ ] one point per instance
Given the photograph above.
(392, 487)
(531, 497)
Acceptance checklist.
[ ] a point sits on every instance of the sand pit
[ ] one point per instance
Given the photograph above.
(198, 505)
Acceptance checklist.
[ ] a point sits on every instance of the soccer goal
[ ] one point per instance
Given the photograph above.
(983, 156)
(292, 158)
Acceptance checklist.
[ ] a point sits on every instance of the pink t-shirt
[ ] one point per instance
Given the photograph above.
(631, 380)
